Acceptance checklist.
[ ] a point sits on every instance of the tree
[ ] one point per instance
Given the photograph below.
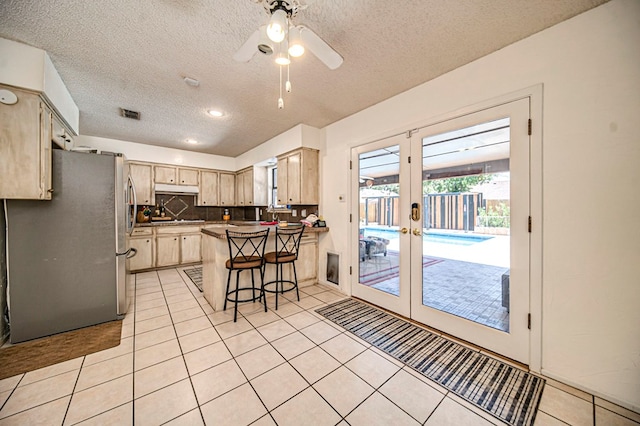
(455, 184)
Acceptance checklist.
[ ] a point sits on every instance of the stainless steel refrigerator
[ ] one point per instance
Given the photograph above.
(66, 257)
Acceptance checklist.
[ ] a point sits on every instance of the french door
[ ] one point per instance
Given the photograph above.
(442, 232)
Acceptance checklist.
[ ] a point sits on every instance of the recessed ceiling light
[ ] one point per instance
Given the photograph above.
(192, 141)
(215, 113)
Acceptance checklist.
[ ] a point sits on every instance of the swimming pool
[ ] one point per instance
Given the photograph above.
(432, 237)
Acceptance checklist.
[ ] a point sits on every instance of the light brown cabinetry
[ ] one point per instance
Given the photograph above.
(173, 175)
(188, 176)
(227, 189)
(208, 195)
(298, 177)
(251, 187)
(164, 174)
(307, 263)
(177, 245)
(60, 135)
(168, 250)
(141, 174)
(142, 240)
(25, 147)
(190, 248)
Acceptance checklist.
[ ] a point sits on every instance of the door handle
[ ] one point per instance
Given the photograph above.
(404, 230)
(416, 232)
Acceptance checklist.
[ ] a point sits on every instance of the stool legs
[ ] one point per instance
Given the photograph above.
(253, 289)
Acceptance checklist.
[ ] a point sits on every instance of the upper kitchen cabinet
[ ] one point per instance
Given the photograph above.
(25, 145)
(172, 175)
(33, 98)
(208, 195)
(141, 174)
(227, 189)
(164, 174)
(188, 176)
(251, 186)
(60, 135)
(298, 181)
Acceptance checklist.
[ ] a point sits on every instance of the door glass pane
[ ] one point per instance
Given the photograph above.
(379, 244)
(466, 239)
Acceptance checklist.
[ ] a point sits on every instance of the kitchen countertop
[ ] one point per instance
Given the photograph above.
(219, 231)
(192, 222)
(216, 228)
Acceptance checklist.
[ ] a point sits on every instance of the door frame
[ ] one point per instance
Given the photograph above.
(535, 95)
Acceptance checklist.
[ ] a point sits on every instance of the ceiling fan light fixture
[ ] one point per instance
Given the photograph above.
(265, 45)
(277, 28)
(296, 48)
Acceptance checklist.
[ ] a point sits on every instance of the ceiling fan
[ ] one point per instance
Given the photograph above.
(286, 40)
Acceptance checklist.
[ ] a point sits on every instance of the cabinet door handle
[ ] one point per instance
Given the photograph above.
(50, 190)
(147, 240)
(175, 239)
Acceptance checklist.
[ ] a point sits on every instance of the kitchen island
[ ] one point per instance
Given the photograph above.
(215, 252)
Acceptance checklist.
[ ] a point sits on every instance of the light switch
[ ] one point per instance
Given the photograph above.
(294, 212)
(304, 212)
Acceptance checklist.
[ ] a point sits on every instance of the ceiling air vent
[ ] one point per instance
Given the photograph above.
(127, 113)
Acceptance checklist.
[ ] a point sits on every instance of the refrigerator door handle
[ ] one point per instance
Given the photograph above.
(131, 214)
(129, 253)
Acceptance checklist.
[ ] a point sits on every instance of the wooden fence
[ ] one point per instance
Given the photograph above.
(440, 211)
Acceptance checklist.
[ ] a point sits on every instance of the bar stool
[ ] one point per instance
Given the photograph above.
(246, 253)
(287, 248)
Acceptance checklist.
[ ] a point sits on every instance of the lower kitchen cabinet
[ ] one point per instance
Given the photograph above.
(143, 241)
(190, 248)
(176, 245)
(167, 250)
(307, 263)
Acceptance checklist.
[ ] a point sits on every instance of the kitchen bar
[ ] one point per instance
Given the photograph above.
(215, 252)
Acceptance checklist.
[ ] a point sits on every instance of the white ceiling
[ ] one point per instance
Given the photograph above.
(135, 53)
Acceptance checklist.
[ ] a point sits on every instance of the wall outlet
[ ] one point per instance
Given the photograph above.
(294, 212)
(304, 212)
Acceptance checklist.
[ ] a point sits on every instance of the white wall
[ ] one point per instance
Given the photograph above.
(590, 68)
(30, 68)
(155, 154)
(296, 137)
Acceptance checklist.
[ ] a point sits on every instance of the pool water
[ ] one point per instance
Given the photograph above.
(443, 238)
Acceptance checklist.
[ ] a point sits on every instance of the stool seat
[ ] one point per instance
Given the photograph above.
(285, 257)
(248, 263)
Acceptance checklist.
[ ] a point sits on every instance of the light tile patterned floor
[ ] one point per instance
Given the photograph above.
(181, 363)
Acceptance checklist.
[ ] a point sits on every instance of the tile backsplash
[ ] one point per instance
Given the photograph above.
(184, 207)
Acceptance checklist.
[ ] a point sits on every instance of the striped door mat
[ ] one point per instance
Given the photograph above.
(506, 392)
(195, 274)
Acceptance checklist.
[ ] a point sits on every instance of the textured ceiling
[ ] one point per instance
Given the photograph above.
(135, 54)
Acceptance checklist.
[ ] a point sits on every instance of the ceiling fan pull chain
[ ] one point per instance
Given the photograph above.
(280, 100)
(288, 83)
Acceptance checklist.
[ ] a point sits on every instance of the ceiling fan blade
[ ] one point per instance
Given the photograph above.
(248, 49)
(320, 48)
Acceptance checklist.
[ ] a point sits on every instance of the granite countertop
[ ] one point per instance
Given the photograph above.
(170, 223)
(196, 222)
(219, 230)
